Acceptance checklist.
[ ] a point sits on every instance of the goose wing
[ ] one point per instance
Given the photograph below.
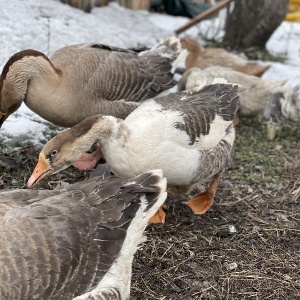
(21, 198)
(206, 112)
(115, 72)
(59, 246)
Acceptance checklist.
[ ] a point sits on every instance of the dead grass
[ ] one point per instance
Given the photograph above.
(246, 247)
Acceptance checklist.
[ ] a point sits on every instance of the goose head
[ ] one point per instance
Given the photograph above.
(17, 72)
(67, 147)
(190, 44)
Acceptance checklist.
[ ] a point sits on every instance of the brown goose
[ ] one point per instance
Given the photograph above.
(188, 135)
(82, 80)
(207, 57)
(59, 244)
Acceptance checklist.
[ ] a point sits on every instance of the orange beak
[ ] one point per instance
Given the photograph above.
(41, 170)
(3, 117)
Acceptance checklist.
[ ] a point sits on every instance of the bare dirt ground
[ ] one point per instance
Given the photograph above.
(247, 246)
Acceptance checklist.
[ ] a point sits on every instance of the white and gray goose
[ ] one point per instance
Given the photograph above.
(189, 135)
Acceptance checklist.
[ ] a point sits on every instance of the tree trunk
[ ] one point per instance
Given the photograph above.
(252, 22)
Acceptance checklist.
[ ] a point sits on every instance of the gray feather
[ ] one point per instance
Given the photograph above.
(58, 244)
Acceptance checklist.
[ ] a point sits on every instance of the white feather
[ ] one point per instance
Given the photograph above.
(216, 134)
(119, 275)
(150, 127)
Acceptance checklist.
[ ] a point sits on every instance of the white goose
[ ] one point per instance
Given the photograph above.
(282, 106)
(253, 91)
(188, 135)
(76, 243)
(82, 80)
(290, 103)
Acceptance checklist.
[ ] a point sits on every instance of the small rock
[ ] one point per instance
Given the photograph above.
(232, 229)
(250, 189)
(258, 168)
(176, 288)
(231, 266)
(136, 265)
(227, 230)
(287, 277)
(228, 183)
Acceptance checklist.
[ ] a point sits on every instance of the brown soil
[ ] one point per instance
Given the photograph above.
(246, 246)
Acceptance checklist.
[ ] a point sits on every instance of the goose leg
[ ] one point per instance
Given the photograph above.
(159, 216)
(236, 120)
(203, 201)
(88, 161)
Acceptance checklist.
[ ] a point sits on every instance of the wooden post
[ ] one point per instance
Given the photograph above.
(135, 4)
(203, 15)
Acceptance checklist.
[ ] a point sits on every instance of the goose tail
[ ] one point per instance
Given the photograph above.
(170, 49)
(253, 69)
(277, 84)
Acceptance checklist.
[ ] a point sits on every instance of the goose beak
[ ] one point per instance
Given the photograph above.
(3, 117)
(41, 170)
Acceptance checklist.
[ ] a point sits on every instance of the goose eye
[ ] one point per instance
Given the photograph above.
(54, 153)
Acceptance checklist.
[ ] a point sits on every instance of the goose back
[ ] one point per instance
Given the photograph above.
(87, 79)
(182, 128)
(253, 91)
(203, 58)
(113, 73)
(58, 244)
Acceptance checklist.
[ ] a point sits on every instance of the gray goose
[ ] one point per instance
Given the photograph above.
(82, 80)
(78, 242)
(189, 135)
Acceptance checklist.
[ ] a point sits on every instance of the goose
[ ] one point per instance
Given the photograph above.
(189, 135)
(254, 92)
(207, 57)
(290, 104)
(77, 243)
(282, 106)
(82, 80)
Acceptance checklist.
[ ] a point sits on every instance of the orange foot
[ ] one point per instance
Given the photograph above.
(88, 161)
(159, 216)
(203, 201)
